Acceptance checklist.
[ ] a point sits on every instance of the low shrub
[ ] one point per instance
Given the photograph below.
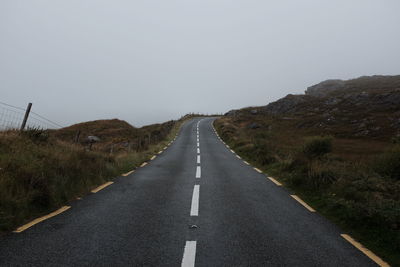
(262, 152)
(320, 174)
(317, 146)
(388, 164)
(36, 134)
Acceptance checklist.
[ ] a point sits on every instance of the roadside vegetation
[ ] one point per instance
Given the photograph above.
(335, 161)
(41, 170)
(361, 196)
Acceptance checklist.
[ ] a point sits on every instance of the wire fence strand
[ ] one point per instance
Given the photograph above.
(11, 118)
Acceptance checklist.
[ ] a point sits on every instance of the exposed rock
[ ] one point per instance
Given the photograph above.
(289, 103)
(253, 111)
(92, 139)
(322, 89)
(331, 101)
(254, 126)
(363, 133)
(233, 113)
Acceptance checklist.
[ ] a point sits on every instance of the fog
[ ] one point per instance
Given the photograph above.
(154, 60)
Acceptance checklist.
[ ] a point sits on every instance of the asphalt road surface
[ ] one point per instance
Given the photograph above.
(195, 204)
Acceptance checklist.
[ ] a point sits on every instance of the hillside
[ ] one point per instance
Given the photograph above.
(113, 135)
(106, 130)
(358, 112)
(364, 107)
(338, 146)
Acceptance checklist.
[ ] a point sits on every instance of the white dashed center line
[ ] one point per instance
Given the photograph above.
(194, 210)
(189, 254)
(198, 172)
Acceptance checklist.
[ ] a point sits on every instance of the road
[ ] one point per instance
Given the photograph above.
(196, 203)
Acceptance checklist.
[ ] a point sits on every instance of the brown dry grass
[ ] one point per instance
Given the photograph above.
(347, 185)
(42, 170)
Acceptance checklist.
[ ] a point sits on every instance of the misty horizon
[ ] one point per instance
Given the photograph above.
(149, 62)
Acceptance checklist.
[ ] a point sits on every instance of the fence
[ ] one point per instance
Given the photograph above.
(12, 117)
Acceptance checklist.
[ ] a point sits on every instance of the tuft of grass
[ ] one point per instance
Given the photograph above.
(36, 177)
(36, 134)
(388, 164)
(317, 146)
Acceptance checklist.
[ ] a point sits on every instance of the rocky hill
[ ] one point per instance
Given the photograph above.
(362, 107)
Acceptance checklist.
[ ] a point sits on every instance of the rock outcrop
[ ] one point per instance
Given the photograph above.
(324, 88)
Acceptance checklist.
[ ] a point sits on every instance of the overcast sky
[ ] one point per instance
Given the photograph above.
(153, 60)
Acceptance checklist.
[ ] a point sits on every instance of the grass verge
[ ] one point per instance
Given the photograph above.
(360, 196)
(39, 173)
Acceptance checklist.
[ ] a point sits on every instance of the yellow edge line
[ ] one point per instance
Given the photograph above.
(38, 220)
(143, 164)
(128, 173)
(232, 151)
(303, 203)
(238, 157)
(258, 170)
(165, 147)
(366, 251)
(246, 162)
(275, 181)
(153, 157)
(101, 187)
(159, 152)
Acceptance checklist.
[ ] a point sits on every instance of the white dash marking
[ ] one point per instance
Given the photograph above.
(198, 159)
(189, 254)
(246, 162)
(258, 170)
(198, 150)
(198, 172)
(198, 144)
(143, 164)
(303, 203)
(194, 210)
(274, 181)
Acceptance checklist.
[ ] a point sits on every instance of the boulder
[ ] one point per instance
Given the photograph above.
(254, 126)
(92, 139)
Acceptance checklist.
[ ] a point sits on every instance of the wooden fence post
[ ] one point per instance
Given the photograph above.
(28, 110)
